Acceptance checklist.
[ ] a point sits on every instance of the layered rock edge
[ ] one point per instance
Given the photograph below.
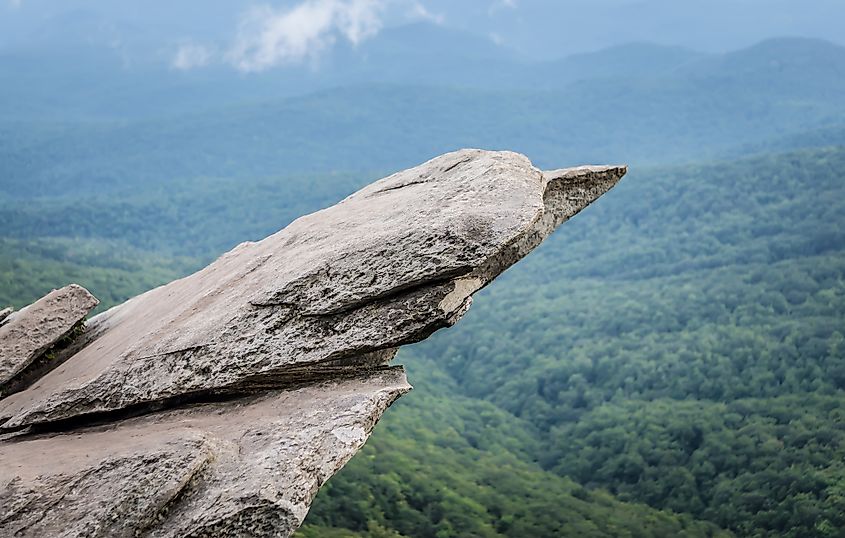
(216, 405)
(245, 467)
(28, 335)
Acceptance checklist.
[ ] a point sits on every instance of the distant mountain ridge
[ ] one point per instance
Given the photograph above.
(111, 82)
(673, 113)
(540, 29)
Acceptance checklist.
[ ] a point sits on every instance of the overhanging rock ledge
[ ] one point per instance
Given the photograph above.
(218, 404)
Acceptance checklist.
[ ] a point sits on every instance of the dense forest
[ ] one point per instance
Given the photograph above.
(670, 363)
(679, 345)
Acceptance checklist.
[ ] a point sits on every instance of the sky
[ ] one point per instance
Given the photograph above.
(253, 36)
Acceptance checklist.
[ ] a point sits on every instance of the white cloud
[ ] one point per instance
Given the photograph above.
(190, 56)
(419, 11)
(268, 37)
(15, 3)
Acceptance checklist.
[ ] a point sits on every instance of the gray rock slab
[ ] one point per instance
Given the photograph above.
(33, 330)
(387, 266)
(218, 404)
(245, 467)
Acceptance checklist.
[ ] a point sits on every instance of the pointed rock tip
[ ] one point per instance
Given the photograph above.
(583, 173)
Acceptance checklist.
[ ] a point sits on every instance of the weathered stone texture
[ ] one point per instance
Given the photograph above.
(245, 467)
(28, 333)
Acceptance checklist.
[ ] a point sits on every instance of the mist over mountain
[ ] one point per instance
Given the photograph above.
(536, 29)
(638, 104)
(93, 59)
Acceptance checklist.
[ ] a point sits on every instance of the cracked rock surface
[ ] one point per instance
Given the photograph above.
(216, 405)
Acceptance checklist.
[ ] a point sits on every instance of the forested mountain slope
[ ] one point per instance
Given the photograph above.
(447, 465)
(680, 344)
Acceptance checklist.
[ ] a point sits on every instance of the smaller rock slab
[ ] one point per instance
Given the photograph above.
(33, 330)
(249, 466)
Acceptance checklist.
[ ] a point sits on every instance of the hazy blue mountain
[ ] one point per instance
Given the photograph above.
(541, 29)
(633, 60)
(776, 61)
(96, 75)
(734, 100)
(86, 62)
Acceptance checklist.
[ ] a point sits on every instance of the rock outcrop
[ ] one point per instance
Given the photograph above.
(216, 405)
(29, 334)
